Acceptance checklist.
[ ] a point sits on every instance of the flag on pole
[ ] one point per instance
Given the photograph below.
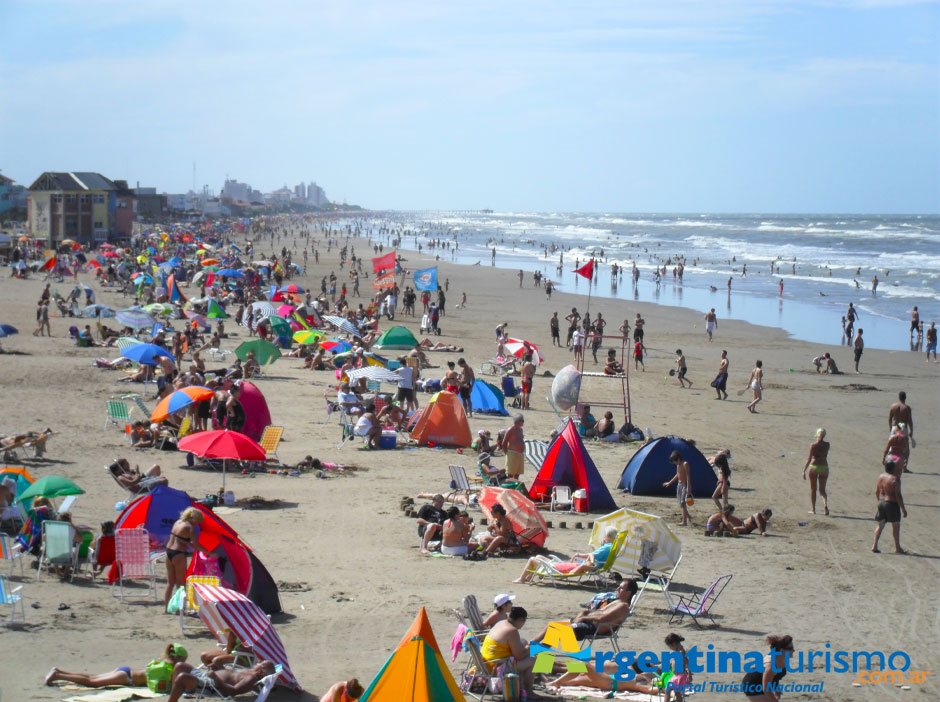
(49, 264)
(426, 279)
(386, 280)
(587, 270)
(383, 263)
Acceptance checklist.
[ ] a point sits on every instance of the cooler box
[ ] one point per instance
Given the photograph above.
(388, 440)
(580, 500)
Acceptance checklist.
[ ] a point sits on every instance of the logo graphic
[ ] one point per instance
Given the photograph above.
(560, 641)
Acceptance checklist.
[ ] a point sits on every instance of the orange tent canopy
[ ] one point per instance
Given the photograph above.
(443, 422)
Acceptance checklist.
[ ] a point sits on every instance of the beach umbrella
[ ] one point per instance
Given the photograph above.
(21, 477)
(279, 325)
(224, 444)
(304, 336)
(147, 354)
(377, 373)
(343, 324)
(110, 254)
(264, 264)
(520, 510)
(650, 542)
(159, 309)
(230, 273)
(265, 351)
(263, 309)
(98, 311)
(521, 347)
(216, 311)
(198, 278)
(226, 610)
(50, 486)
(142, 278)
(285, 310)
(8, 330)
(125, 341)
(135, 318)
(198, 318)
(209, 261)
(293, 289)
(180, 399)
(337, 346)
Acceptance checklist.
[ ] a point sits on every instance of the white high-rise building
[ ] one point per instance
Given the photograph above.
(316, 196)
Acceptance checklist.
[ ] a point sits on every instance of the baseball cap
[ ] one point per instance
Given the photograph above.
(178, 651)
(502, 599)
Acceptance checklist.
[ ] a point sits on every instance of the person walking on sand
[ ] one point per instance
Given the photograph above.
(528, 374)
(756, 383)
(915, 321)
(890, 506)
(720, 383)
(554, 328)
(638, 350)
(817, 465)
(681, 369)
(900, 413)
(859, 348)
(682, 479)
(932, 342)
(711, 322)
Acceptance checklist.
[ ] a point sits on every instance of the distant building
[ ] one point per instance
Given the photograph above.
(233, 190)
(300, 192)
(75, 205)
(126, 211)
(280, 195)
(12, 196)
(150, 205)
(316, 196)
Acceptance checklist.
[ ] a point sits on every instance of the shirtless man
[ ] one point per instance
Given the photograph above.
(465, 384)
(638, 327)
(513, 443)
(890, 506)
(915, 321)
(604, 620)
(683, 484)
(720, 383)
(681, 369)
(527, 373)
(859, 348)
(899, 413)
(711, 322)
(572, 320)
(932, 341)
(229, 682)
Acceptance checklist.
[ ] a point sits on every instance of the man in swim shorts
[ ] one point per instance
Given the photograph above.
(683, 484)
(528, 373)
(890, 506)
(513, 443)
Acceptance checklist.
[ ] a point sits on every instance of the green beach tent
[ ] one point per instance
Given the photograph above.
(398, 337)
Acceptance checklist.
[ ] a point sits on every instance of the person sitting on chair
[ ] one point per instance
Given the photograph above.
(588, 426)
(228, 682)
(612, 367)
(369, 427)
(131, 479)
(499, 532)
(604, 620)
(251, 368)
(579, 563)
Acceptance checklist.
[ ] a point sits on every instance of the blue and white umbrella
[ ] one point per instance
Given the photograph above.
(98, 311)
(378, 373)
(8, 330)
(343, 325)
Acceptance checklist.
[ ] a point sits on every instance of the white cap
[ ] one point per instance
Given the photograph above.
(502, 599)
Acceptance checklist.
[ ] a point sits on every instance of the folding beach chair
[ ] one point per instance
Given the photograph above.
(489, 673)
(13, 597)
(472, 609)
(118, 414)
(699, 604)
(132, 555)
(604, 632)
(190, 605)
(13, 555)
(185, 428)
(84, 554)
(459, 483)
(143, 487)
(58, 547)
(546, 568)
(561, 499)
(270, 439)
(511, 391)
(373, 386)
(656, 581)
(139, 403)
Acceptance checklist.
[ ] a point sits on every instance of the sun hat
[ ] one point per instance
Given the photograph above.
(502, 599)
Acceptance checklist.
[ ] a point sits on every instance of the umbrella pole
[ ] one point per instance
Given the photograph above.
(224, 465)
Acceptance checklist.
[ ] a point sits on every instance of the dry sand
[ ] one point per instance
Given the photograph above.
(353, 557)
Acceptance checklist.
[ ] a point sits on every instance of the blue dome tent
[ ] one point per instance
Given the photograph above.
(649, 468)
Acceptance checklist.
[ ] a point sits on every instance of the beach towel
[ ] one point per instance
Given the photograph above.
(457, 642)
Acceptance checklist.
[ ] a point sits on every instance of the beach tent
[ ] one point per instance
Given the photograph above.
(443, 421)
(568, 463)
(241, 570)
(416, 670)
(650, 468)
(397, 337)
(257, 415)
(487, 399)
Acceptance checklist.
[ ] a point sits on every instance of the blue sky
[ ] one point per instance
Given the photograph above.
(646, 105)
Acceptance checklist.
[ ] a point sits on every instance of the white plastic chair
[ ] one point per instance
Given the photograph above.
(561, 498)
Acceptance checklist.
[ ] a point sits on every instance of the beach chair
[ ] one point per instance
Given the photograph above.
(219, 354)
(117, 413)
(511, 391)
(14, 598)
(561, 499)
(699, 604)
(205, 690)
(14, 515)
(190, 606)
(11, 554)
(656, 581)
(459, 483)
(67, 504)
(490, 673)
(185, 428)
(84, 554)
(104, 555)
(139, 403)
(472, 609)
(348, 424)
(132, 555)
(270, 439)
(547, 569)
(604, 633)
(143, 487)
(58, 547)
(499, 366)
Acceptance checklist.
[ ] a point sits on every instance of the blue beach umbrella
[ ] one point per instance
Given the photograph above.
(8, 330)
(230, 273)
(98, 311)
(146, 354)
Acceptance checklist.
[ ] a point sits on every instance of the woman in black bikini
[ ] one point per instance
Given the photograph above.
(756, 521)
(182, 538)
(760, 686)
(122, 675)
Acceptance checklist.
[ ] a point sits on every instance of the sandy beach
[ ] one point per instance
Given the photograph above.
(347, 559)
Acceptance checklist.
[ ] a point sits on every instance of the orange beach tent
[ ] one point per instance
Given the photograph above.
(443, 422)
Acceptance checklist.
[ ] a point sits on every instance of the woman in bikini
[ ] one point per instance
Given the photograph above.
(724, 481)
(756, 384)
(817, 464)
(756, 521)
(122, 675)
(183, 537)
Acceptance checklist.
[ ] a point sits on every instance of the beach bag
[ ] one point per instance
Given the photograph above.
(176, 602)
(159, 673)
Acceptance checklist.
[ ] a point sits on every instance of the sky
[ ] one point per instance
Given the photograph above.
(639, 106)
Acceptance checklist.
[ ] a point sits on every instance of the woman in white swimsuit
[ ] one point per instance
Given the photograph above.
(756, 385)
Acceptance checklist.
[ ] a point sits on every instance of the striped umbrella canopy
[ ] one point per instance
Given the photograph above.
(344, 325)
(180, 399)
(520, 510)
(535, 452)
(379, 373)
(125, 341)
(222, 609)
(262, 310)
(135, 318)
(520, 347)
(650, 542)
(98, 311)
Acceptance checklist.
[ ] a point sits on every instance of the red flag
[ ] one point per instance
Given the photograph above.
(384, 263)
(587, 270)
(50, 264)
(386, 280)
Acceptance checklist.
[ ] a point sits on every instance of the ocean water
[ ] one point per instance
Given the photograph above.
(824, 261)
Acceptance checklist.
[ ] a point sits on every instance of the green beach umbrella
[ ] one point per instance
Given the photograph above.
(265, 351)
(50, 486)
(280, 326)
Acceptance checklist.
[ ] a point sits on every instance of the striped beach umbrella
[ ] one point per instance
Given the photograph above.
(135, 318)
(222, 609)
(520, 347)
(535, 452)
(378, 373)
(263, 309)
(180, 399)
(343, 324)
(98, 311)
(650, 542)
(520, 510)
